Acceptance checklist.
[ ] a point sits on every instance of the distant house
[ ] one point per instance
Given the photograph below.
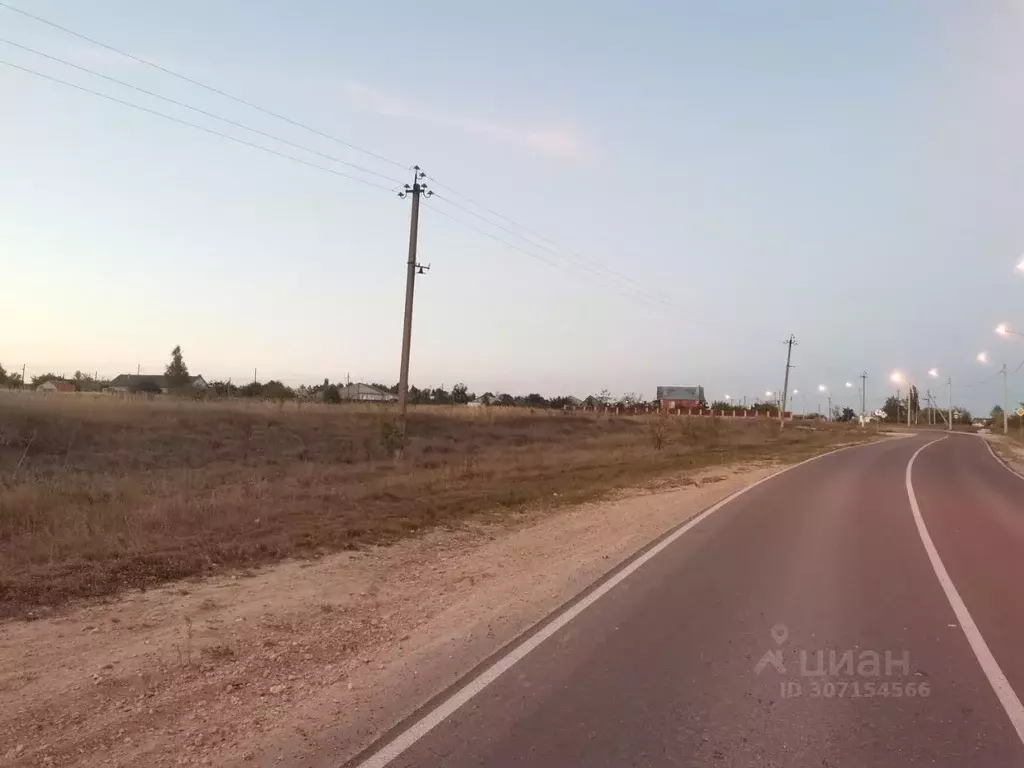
(56, 385)
(573, 402)
(132, 382)
(680, 397)
(484, 399)
(366, 393)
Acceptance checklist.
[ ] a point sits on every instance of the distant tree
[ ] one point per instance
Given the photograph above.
(275, 390)
(43, 378)
(915, 405)
(11, 380)
(460, 394)
(892, 408)
(223, 388)
(846, 414)
(86, 383)
(996, 412)
(332, 395)
(603, 397)
(629, 399)
(252, 389)
(506, 399)
(723, 405)
(535, 400)
(176, 372)
(440, 396)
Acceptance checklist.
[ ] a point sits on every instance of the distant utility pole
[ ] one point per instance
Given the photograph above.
(785, 386)
(23, 374)
(949, 402)
(1006, 404)
(253, 375)
(412, 268)
(863, 395)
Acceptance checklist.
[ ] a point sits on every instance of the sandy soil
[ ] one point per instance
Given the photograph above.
(1011, 451)
(307, 662)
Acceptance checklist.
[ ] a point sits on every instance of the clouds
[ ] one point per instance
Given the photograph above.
(559, 140)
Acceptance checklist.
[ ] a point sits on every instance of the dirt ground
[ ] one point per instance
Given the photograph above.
(306, 663)
(1010, 449)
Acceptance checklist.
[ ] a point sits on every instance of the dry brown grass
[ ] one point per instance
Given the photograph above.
(97, 495)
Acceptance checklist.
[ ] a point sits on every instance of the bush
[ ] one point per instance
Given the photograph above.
(658, 430)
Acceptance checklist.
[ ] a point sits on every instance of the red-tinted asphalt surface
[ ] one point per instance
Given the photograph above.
(661, 671)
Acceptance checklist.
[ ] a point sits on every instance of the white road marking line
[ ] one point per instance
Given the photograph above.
(989, 665)
(1002, 463)
(442, 711)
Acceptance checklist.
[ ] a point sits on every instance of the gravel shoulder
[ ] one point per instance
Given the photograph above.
(1009, 449)
(305, 663)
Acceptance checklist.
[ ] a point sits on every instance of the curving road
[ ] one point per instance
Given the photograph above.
(848, 612)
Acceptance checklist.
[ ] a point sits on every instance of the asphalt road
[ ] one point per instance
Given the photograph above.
(803, 623)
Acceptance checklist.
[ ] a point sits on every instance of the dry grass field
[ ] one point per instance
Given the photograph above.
(103, 494)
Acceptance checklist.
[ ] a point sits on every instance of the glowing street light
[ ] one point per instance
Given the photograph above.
(897, 378)
(982, 357)
(933, 372)
(849, 385)
(1020, 266)
(822, 388)
(1004, 330)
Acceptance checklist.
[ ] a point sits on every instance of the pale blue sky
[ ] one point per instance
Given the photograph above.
(847, 172)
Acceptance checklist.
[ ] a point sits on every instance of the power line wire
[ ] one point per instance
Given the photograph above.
(547, 243)
(169, 100)
(549, 262)
(593, 269)
(203, 85)
(198, 127)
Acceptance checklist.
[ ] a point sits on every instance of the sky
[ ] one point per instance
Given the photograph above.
(708, 178)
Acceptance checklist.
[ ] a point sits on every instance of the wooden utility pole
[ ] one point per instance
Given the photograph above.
(785, 386)
(415, 191)
(1006, 404)
(863, 396)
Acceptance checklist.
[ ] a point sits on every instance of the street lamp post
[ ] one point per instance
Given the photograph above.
(983, 358)
(899, 378)
(934, 373)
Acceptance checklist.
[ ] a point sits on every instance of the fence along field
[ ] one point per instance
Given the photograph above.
(103, 494)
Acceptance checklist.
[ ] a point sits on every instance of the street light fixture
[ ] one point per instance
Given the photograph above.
(1004, 330)
(828, 414)
(982, 357)
(1020, 266)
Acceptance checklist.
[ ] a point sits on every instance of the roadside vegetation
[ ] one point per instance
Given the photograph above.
(100, 494)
